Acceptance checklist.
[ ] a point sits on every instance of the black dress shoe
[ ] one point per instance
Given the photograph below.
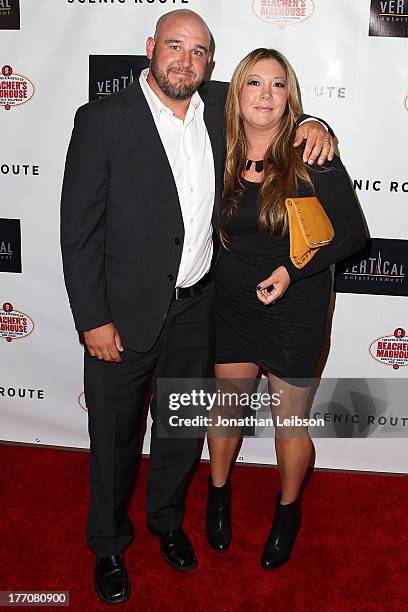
(218, 519)
(111, 579)
(177, 549)
(282, 537)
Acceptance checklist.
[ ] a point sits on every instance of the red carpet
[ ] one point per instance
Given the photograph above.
(351, 553)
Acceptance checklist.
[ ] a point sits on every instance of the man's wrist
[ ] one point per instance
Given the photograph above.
(314, 119)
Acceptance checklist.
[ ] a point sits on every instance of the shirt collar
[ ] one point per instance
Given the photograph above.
(156, 105)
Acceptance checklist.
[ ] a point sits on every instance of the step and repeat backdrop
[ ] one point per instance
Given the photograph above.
(352, 62)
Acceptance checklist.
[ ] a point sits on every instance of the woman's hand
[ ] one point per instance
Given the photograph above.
(279, 281)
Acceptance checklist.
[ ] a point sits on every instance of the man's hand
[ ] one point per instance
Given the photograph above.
(279, 280)
(104, 343)
(318, 142)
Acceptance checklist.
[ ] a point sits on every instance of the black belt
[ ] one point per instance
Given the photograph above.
(181, 293)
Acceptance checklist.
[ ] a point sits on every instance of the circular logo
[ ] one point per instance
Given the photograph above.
(81, 401)
(14, 324)
(391, 350)
(283, 12)
(15, 89)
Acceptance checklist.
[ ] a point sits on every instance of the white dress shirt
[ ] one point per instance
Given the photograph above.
(188, 149)
(190, 155)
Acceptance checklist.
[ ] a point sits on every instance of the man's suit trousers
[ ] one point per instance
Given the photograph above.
(115, 396)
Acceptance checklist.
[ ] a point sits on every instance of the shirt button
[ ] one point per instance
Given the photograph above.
(170, 277)
(191, 189)
(177, 241)
(191, 220)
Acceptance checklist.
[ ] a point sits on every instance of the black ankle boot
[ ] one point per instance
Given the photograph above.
(218, 520)
(282, 537)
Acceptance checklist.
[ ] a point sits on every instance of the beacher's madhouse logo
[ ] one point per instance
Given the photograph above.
(391, 350)
(283, 12)
(14, 324)
(15, 89)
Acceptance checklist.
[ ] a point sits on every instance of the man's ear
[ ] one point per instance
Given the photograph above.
(150, 44)
(209, 58)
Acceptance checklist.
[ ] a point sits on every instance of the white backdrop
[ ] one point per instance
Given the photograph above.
(358, 83)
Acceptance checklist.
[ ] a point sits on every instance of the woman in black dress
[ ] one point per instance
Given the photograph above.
(269, 314)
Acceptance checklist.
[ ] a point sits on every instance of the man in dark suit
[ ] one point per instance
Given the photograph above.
(141, 196)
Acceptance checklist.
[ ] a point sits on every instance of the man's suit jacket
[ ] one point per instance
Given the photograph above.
(122, 229)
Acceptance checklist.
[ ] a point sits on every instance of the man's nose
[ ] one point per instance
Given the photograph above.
(185, 59)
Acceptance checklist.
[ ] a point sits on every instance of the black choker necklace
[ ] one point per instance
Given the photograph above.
(259, 165)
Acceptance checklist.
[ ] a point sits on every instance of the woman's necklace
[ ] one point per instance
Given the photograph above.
(259, 165)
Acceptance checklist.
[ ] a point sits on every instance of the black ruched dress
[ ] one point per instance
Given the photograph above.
(285, 338)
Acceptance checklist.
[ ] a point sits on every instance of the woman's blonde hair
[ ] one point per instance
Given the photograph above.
(283, 165)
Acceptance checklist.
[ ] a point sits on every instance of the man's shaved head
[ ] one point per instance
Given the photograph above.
(186, 14)
(179, 54)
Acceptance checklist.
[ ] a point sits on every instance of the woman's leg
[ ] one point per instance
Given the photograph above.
(293, 456)
(231, 378)
(293, 445)
(294, 450)
(222, 448)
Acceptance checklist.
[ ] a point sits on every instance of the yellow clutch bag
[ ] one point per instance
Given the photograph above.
(309, 229)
